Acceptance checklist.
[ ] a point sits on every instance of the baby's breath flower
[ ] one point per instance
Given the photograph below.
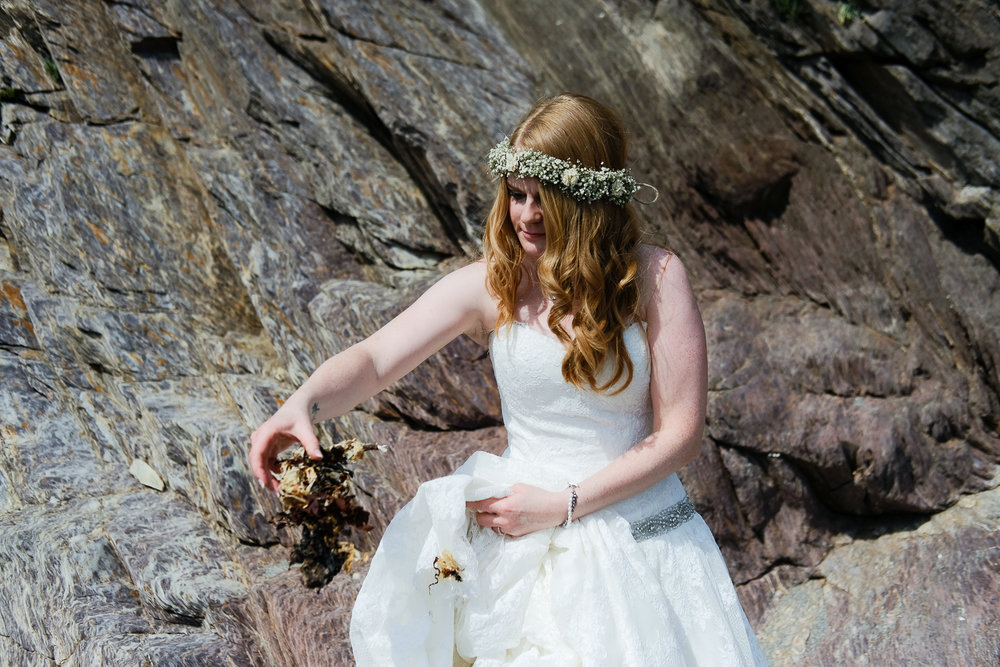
(576, 180)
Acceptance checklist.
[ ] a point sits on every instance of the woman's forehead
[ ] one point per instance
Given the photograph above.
(528, 185)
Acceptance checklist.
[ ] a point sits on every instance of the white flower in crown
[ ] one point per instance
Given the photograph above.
(576, 180)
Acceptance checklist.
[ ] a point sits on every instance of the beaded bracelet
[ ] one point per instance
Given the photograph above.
(570, 506)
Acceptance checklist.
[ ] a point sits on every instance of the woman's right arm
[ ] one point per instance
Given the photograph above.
(456, 304)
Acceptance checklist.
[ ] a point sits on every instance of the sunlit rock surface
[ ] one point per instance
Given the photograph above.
(200, 201)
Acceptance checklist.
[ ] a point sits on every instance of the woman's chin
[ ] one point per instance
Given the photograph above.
(533, 247)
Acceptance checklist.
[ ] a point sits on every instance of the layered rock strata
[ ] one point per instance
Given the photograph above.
(200, 201)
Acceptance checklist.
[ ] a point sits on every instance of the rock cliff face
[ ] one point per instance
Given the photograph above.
(200, 201)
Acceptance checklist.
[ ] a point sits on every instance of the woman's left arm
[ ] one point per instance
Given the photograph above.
(678, 391)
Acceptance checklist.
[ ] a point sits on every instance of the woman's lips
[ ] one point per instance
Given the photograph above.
(535, 235)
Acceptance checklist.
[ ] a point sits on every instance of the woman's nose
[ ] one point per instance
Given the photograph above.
(531, 211)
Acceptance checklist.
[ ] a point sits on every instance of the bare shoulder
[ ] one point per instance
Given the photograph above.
(469, 281)
(654, 264)
(653, 255)
(471, 270)
(466, 287)
(673, 276)
(673, 305)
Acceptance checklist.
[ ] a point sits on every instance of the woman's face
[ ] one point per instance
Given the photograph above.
(526, 215)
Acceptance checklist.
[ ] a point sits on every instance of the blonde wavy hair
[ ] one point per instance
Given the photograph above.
(590, 265)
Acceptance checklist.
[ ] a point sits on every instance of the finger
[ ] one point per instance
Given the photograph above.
(478, 506)
(263, 471)
(484, 505)
(310, 442)
(272, 470)
(265, 445)
(273, 484)
(492, 521)
(258, 456)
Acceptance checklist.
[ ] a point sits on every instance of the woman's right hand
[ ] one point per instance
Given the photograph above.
(458, 303)
(286, 427)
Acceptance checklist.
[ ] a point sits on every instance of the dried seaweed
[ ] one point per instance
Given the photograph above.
(446, 567)
(319, 496)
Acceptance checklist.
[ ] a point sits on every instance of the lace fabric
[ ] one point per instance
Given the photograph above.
(590, 594)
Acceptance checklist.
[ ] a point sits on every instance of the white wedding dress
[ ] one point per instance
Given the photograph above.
(639, 583)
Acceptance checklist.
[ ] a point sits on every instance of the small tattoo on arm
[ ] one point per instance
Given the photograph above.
(315, 411)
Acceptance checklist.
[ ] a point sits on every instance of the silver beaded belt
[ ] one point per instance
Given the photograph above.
(663, 521)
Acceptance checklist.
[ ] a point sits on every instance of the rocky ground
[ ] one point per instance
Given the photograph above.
(915, 592)
(200, 201)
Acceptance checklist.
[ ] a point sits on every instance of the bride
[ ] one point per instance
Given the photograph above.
(579, 545)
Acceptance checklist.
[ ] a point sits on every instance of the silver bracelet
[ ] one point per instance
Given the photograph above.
(571, 505)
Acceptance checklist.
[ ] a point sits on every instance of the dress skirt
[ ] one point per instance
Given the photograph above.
(606, 590)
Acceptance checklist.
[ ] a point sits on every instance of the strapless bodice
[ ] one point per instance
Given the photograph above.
(567, 433)
(554, 423)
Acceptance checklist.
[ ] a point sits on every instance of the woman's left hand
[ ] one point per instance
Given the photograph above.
(527, 509)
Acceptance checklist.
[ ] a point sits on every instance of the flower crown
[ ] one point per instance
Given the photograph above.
(579, 182)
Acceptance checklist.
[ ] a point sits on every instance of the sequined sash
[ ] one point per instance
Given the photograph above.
(663, 521)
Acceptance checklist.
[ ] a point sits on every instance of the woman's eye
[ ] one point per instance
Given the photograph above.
(517, 196)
